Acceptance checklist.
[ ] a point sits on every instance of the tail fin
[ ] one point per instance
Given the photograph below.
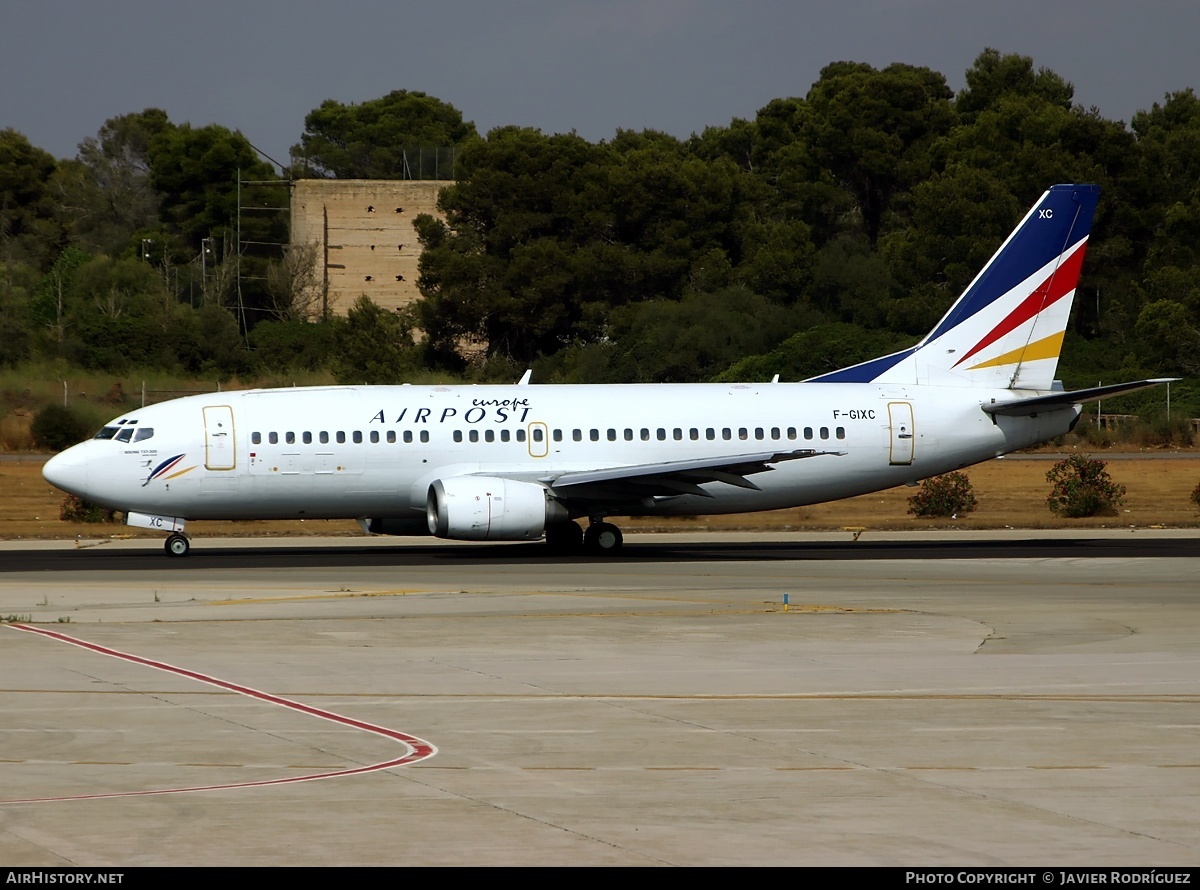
(1006, 330)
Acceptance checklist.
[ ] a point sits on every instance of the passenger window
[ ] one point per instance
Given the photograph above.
(374, 437)
(290, 437)
(408, 437)
(273, 438)
(710, 434)
(538, 434)
(645, 435)
(391, 437)
(693, 434)
(758, 433)
(841, 432)
(594, 435)
(358, 437)
(489, 435)
(774, 432)
(125, 435)
(612, 435)
(324, 437)
(458, 435)
(628, 435)
(256, 438)
(791, 432)
(424, 435)
(473, 435)
(341, 437)
(743, 433)
(662, 434)
(726, 433)
(808, 432)
(520, 435)
(307, 438)
(558, 435)
(677, 434)
(824, 432)
(577, 435)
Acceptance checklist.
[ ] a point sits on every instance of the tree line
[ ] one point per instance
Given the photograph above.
(825, 230)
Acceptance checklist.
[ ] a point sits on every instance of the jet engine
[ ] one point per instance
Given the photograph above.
(488, 508)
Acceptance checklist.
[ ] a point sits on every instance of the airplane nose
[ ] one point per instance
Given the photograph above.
(68, 470)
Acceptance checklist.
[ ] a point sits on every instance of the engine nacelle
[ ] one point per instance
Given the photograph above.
(488, 508)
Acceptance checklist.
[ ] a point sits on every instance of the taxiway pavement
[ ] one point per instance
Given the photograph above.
(954, 699)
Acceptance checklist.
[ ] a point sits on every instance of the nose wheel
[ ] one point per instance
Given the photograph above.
(177, 545)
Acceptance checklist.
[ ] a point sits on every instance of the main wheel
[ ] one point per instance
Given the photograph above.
(564, 537)
(177, 545)
(603, 537)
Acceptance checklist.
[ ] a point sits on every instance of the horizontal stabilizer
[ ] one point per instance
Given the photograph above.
(1059, 400)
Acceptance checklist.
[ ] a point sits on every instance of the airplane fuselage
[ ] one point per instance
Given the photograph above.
(358, 452)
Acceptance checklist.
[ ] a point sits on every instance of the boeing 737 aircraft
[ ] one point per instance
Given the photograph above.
(516, 463)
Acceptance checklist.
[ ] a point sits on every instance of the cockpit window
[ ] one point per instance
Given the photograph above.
(125, 435)
(143, 432)
(106, 432)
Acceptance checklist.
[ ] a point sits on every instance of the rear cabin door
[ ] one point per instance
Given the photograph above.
(220, 452)
(900, 420)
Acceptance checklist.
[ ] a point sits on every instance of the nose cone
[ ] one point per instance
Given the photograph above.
(68, 470)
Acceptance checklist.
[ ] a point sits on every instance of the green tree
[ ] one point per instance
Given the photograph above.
(814, 351)
(52, 302)
(956, 221)
(373, 345)
(1169, 337)
(56, 427)
(994, 76)
(1082, 487)
(949, 495)
(369, 140)
(669, 341)
(873, 130)
(106, 193)
(26, 210)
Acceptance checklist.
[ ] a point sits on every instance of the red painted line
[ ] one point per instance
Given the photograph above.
(418, 749)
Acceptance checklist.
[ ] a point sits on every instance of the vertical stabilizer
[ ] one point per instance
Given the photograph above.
(1006, 330)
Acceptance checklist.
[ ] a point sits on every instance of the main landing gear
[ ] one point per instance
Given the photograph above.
(177, 545)
(601, 538)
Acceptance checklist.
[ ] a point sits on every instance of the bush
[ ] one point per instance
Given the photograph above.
(1196, 495)
(947, 495)
(75, 509)
(56, 427)
(1082, 487)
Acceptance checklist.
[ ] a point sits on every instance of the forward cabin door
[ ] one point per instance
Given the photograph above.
(220, 452)
(900, 421)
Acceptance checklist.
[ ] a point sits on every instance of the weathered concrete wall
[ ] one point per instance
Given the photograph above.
(372, 247)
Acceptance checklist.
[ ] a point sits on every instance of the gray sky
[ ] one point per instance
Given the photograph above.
(66, 66)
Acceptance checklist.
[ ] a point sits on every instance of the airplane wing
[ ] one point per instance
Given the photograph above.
(1059, 400)
(671, 477)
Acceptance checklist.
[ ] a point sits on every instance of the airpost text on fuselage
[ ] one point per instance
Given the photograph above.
(495, 410)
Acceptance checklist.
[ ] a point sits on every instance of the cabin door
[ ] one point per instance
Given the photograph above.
(900, 421)
(220, 452)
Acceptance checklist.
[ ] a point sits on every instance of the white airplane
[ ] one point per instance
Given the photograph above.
(516, 463)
